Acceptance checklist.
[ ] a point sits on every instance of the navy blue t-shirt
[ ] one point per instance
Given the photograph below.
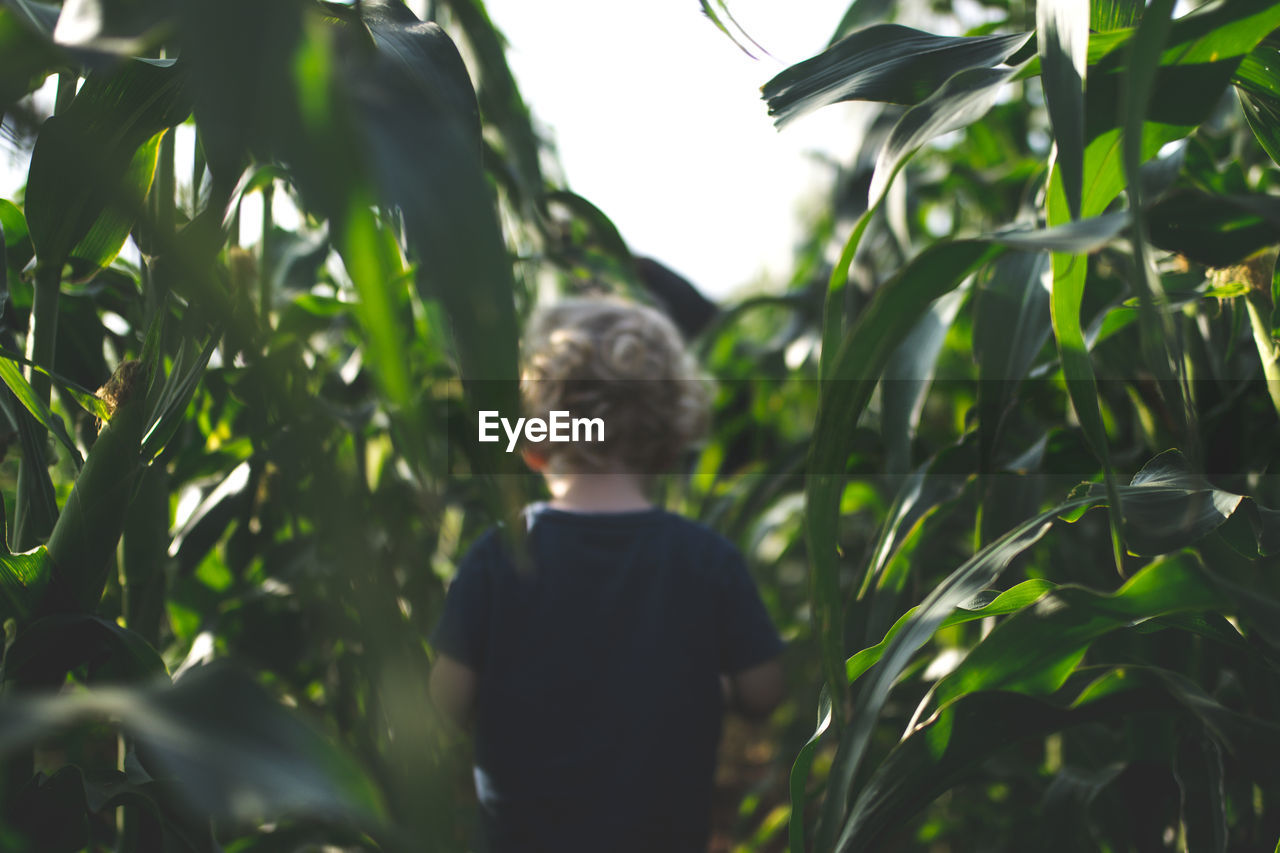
(598, 696)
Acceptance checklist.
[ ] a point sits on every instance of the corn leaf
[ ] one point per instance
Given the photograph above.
(52, 646)
(242, 757)
(1163, 481)
(1010, 326)
(1036, 649)
(26, 395)
(965, 733)
(885, 62)
(1062, 35)
(1216, 230)
(82, 162)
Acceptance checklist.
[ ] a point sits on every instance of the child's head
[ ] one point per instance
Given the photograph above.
(623, 363)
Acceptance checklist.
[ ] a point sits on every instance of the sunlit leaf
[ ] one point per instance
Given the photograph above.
(1036, 649)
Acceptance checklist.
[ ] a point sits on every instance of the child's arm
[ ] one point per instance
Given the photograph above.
(755, 691)
(453, 689)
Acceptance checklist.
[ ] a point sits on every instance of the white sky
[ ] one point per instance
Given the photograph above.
(658, 120)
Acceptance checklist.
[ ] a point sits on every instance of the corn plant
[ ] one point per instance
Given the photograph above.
(1039, 519)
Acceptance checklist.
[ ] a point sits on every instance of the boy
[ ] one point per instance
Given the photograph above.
(598, 679)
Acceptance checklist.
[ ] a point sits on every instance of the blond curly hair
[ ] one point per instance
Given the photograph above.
(624, 363)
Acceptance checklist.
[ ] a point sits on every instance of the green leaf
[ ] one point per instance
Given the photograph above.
(499, 98)
(36, 506)
(984, 604)
(1107, 15)
(178, 389)
(13, 224)
(907, 377)
(417, 98)
(242, 80)
(25, 394)
(959, 586)
(885, 62)
(1010, 326)
(1257, 82)
(52, 646)
(1162, 480)
(857, 365)
(23, 581)
(961, 100)
(1035, 650)
(1167, 507)
(966, 733)
(799, 779)
(1215, 230)
(235, 754)
(104, 240)
(84, 398)
(1062, 34)
(82, 161)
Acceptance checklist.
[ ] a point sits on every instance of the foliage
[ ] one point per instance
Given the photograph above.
(1005, 468)
(1049, 212)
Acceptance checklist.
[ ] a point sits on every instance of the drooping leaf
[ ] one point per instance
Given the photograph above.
(1062, 36)
(242, 83)
(884, 62)
(450, 218)
(961, 100)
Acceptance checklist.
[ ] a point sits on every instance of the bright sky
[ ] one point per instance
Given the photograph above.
(658, 120)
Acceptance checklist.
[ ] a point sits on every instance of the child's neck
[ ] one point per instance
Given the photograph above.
(606, 492)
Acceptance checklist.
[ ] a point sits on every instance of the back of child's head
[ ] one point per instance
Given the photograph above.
(623, 363)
